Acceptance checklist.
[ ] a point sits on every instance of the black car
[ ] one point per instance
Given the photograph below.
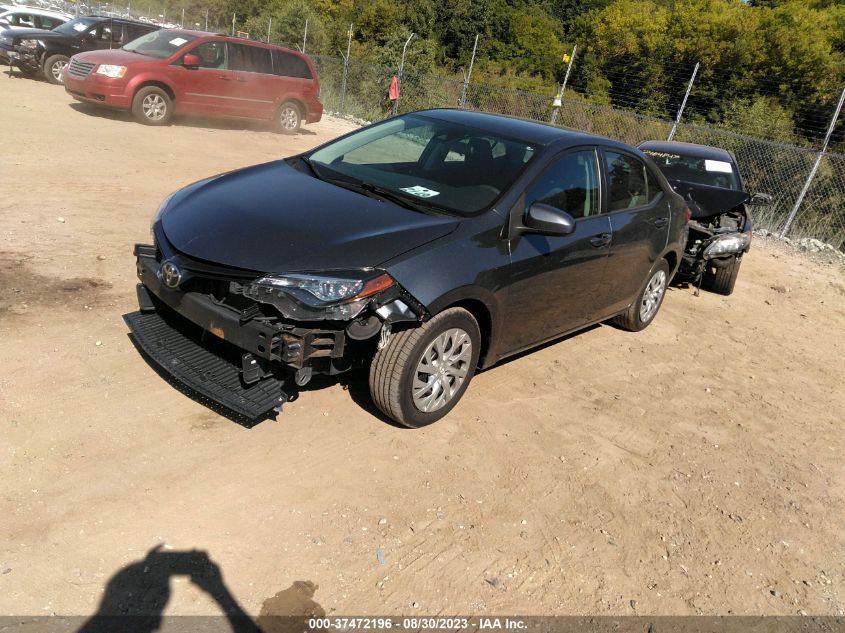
(36, 51)
(720, 228)
(423, 247)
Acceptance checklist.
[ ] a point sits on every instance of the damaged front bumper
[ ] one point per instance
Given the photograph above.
(236, 353)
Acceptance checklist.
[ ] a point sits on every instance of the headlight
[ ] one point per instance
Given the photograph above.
(30, 44)
(729, 244)
(308, 297)
(111, 71)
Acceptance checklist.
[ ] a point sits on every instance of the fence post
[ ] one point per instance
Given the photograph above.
(182, 24)
(559, 100)
(206, 20)
(683, 103)
(233, 25)
(399, 78)
(345, 71)
(305, 35)
(815, 168)
(269, 26)
(463, 100)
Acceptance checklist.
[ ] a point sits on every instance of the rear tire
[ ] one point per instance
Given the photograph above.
(54, 67)
(641, 313)
(421, 374)
(288, 118)
(152, 106)
(722, 280)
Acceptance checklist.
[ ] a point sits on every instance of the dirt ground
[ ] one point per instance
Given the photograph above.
(693, 468)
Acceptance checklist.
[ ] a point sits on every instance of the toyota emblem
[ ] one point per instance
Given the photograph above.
(170, 275)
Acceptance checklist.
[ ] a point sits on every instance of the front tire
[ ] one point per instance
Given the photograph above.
(152, 106)
(288, 118)
(421, 374)
(723, 280)
(54, 67)
(641, 313)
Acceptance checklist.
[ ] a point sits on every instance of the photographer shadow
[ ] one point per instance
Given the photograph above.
(136, 596)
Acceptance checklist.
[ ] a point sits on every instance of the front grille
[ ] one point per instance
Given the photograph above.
(79, 69)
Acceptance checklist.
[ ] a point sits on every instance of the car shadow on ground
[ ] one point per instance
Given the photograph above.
(136, 596)
(17, 74)
(185, 121)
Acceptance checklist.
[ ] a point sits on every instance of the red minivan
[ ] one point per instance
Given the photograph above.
(191, 72)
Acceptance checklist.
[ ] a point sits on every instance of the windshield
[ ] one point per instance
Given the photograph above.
(428, 162)
(701, 171)
(161, 44)
(75, 26)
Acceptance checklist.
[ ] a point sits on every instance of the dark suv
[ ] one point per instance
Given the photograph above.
(422, 248)
(36, 51)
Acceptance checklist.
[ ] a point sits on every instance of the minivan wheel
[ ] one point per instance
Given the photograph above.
(288, 118)
(421, 374)
(54, 66)
(722, 280)
(641, 313)
(152, 106)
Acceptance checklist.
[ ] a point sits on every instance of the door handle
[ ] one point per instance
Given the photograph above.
(660, 222)
(602, 239)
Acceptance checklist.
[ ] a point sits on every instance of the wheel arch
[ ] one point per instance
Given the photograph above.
(671, 256)
(297, 102)
(146, 82)
(481, 304)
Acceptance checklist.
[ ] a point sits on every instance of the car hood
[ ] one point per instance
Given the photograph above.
(115, 56)
(40, 34)
(273, 218)
(705, 201)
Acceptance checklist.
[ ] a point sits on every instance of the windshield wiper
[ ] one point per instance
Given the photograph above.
(311, 166)
(396, 198)
(371, 190)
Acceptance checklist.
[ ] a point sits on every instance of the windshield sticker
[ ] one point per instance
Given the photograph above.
(420, 192)
(718, 165)
(652, 152)
(178, 41)
(80, 27)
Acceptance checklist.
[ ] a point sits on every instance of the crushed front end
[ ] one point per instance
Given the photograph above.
(240, 340)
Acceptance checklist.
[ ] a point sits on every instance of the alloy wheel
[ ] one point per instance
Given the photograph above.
(442, 370)
(652, 295)
(154, 107)
(289, 118)
(57, 69)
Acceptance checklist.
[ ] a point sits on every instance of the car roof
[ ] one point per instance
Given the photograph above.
(36, 11)
(238, 40)
(524, 129)
(688, 149)
(117, 19)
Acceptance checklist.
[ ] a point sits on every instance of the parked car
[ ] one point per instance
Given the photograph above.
(720, 228)
(32, 18)
(190, 72)
(423, 247)
(48, 52)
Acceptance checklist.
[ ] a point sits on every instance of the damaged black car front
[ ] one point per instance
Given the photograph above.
(720, 222)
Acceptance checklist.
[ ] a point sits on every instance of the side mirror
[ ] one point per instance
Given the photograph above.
(191, 61)
(548, 220)
(761, 199)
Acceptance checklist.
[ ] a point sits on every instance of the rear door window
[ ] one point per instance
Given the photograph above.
(24, 20)
(627, 183)
(289, 65)
(46, 23)
(250, 59)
